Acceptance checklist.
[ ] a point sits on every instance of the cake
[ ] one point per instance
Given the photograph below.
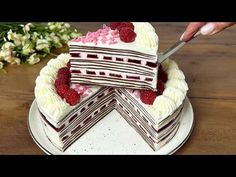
(120, 55)
(68, 109)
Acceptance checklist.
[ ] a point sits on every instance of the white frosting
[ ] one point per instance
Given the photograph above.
(44, 79)
(146, 40)
(178, 84)
(49, 71)
(175, 94)
(164, 105)
(56, 63)
(169, 64)
(146, 35)
(175, 74)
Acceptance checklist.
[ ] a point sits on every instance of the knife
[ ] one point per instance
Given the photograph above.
(179, 44)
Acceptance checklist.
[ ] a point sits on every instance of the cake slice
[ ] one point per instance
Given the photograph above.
(122, 55)
(68, 110)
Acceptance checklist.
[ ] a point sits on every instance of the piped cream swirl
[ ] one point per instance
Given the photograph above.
(146, 35)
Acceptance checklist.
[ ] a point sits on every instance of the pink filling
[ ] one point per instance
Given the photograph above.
(105, 35)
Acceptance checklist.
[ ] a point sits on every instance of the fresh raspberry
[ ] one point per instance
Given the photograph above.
(147, 96)
(62, 81)
(114, 25)
(72, 97)
(127, 35)
(62, 76)
(125, 25)
(64, 71)
(62, 89)
(68, 64)
(160, 87)
(162, 74)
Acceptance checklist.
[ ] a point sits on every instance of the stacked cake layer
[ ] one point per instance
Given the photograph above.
(104, 58)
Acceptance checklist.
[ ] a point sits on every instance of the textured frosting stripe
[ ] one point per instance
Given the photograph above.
(111, 64)
(96, 68)
(100, 50)
(89, 112)
(110, 83)
(154, 134)
(87, 126)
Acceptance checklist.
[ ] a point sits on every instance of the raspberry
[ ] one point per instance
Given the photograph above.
(72, 97)
(162, 74)
(62, 76)
(160, 87)
(64, 71)
(62, 89)
(61, 81)
(147, 96)
(114, 25)
(127, 35)
(125, 25)
(68, 64)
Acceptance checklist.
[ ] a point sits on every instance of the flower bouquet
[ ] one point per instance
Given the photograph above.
(28, 43)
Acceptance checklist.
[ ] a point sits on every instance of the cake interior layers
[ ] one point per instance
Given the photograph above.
(98, 106)
(106, 66)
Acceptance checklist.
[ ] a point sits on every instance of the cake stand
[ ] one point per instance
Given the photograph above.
(112, 135)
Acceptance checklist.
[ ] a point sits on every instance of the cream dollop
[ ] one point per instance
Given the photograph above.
(169, 64)
(153, 112)
(44, 79)
(145, 34)
(175, 94)
(48, 71)
(164, 105)
(178, 84)
(59, 62)
(175, 74)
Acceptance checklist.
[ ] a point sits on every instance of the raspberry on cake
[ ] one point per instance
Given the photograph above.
(69, 110)
(122, 55)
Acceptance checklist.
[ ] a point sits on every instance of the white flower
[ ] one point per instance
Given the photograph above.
(50, 23)
(16, 38)
(1, 65)
(33, 59)
(34, 37)
(5, 54)
(62, 31)
(26, 28)
(27, 48)
(58, 25)
(55, 40)
(75, 35)
(65, 37)
(42, 44)
(12, 60)
(52, 27)
(67, 25)
(48, 38)
(8, 46)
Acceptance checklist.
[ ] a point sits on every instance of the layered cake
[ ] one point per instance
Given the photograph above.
(120, 55)
(68, 109)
